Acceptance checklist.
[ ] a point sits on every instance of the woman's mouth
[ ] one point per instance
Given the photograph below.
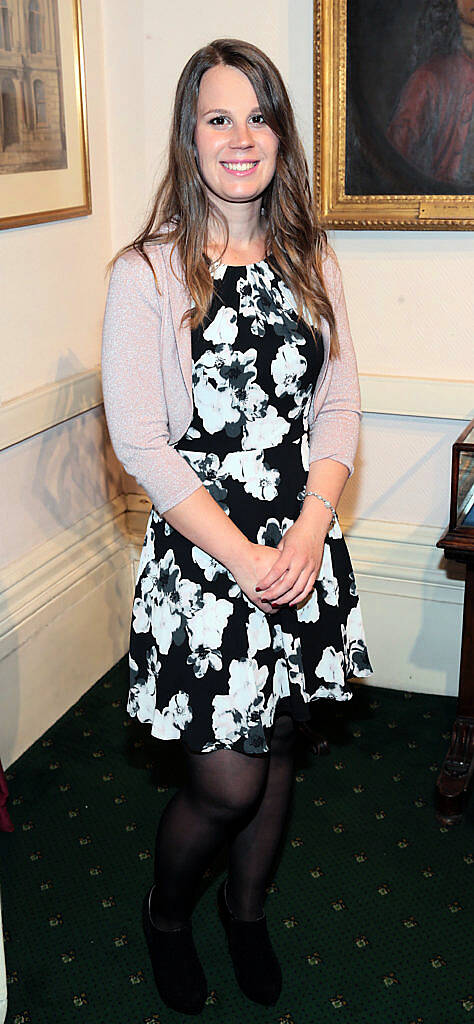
(240, 167)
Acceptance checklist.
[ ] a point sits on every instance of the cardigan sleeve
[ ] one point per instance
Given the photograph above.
(134, 398)
(334, 430)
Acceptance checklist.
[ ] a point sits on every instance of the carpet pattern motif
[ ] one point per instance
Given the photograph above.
(370, 909)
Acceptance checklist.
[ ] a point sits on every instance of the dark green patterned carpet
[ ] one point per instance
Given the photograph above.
(371, 908)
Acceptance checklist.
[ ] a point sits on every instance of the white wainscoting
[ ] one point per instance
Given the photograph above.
(398, 396)
(64, 621)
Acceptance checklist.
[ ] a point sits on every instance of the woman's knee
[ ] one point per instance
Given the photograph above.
(228, 785)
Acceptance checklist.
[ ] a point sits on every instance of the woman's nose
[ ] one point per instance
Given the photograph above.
(241, 136)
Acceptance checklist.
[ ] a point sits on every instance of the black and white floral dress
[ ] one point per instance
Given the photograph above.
(206, 665)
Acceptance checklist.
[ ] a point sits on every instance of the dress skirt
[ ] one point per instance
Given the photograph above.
(206, 665)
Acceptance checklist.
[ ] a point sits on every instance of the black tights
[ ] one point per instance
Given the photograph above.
(228, 796)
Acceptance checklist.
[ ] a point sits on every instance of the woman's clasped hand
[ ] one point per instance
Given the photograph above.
(285, 575)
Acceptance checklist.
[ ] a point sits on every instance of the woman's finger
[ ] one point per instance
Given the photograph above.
(278, 569)
(302, 587)
(281, 587)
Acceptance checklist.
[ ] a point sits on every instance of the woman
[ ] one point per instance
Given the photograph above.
(245, 606)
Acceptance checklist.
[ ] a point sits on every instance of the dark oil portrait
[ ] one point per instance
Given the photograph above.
(410, 97)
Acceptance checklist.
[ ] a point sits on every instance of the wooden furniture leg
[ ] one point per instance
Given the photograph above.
(455, 779)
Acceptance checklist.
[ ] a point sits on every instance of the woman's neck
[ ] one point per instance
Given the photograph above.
(247, 231)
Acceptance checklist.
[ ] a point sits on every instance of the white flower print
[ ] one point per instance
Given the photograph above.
(309, 610)
(166, 600)
(142, 695)
(205, 630)
(208, 467)
(250, 469)
(148, 549)
(168, 724)
(238, 710)
(223, 329)
(273, 531)
(141, 615)
(220, 380)
(265, 432)
(291, 646)
(354, 644)
(210, 566)
(287, 367)
(331, 666)
(258, 632)
(301, 401)
(335, 533)
(327, 578)
(280, 689)
(255, 286)
(192, 433)
(307, 407)
(304, 451)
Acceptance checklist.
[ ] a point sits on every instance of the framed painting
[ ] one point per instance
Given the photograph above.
(394, 113)
(44, 159)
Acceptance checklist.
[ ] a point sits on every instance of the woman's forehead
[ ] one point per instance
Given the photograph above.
(223, 87)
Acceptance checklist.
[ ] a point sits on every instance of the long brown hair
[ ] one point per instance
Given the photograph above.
(182, 209)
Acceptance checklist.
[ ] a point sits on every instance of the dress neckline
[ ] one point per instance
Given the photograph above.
(242, 266)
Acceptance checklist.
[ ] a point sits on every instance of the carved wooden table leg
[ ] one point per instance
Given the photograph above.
(454, 781)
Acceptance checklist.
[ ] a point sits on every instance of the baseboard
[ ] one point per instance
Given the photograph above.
(65, 613)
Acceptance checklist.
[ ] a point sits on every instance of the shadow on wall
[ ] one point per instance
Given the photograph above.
(72, 476)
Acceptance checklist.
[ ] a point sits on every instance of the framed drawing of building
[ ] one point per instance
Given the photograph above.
(394, 113)
(44, 163)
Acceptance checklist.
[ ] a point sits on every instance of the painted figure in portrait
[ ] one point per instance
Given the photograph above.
(433, 125)
(410, 97)
(32, 128)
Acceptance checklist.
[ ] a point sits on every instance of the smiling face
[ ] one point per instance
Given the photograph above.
(236, 149)
(466, 11)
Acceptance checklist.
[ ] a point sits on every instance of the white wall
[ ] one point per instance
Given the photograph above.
(410, 300)
(53, 275)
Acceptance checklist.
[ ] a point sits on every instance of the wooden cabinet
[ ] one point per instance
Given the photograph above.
(456, 776)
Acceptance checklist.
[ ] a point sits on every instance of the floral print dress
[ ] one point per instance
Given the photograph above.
(206, 665)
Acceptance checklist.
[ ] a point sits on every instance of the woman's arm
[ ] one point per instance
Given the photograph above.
(333, 440)
(137, 419)
(132, 385)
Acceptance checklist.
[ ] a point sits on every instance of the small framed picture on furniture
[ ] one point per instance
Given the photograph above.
(44, 159)
(394, 113)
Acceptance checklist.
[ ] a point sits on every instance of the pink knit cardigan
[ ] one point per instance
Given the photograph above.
(147, 376)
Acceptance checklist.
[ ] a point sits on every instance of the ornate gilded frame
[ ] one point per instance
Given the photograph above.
(36, 196)
(338, 209)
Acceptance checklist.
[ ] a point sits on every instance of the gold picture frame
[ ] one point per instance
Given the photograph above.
(348, 158)
(44, 153)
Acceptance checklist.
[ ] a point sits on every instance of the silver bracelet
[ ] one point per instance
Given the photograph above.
(325, 502)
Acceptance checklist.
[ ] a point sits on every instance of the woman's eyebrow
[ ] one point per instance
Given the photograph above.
(220, 110)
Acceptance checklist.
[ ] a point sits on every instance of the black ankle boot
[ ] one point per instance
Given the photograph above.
(256, 967)
(178, 972)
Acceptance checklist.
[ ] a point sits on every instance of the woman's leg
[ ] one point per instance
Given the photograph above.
(222, 787)
(253, 848)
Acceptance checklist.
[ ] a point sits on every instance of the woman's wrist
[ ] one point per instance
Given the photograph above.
(315, 514)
